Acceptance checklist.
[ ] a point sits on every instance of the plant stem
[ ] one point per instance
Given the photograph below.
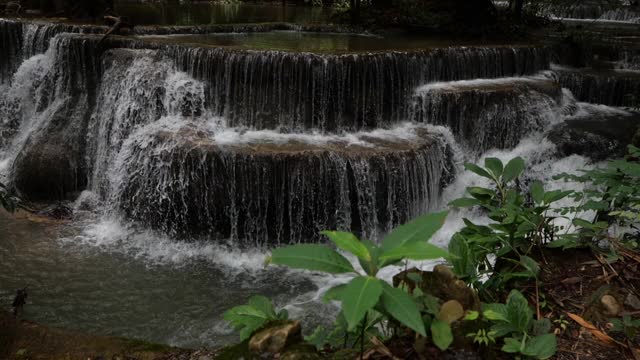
(364, 324)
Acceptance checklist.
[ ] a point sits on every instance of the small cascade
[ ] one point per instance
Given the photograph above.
(624, 14)
(268, 188)
(10, 48)
(301, 91)
(608, 87)
(486, 114)
(46, 112)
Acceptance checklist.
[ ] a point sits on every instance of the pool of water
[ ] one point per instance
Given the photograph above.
(104, 278)
(202, 13)
(318, 42)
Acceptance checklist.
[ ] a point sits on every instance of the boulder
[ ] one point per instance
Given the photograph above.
(46, 172)
(274, 339)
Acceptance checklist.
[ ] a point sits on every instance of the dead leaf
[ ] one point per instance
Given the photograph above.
(572, 280)
(593, 330)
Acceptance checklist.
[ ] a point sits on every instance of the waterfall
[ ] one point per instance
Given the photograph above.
(302, 91)
(258, 147)
(503, 110)
(608, 87)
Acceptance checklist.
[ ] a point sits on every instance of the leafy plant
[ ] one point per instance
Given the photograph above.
(613, 192)
(522, 334)
(628, 326)
(519, 221)
(366, 292)
(253, 316)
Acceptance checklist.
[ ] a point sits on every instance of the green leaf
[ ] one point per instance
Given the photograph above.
(478, 170)
(335, 293)
(494, 165)
(465, 202)
(348, 242)
(530, 264)
(537, 192)
(311, 257)
(420, 229)
(555, 195)
(514, 168)
(441, 333)
(495, 312)
(512, 346)
(461, 258)
(358, 297)
(541, 347)
(413, 251)
(264, 305)
(402, 307)
(519, 314)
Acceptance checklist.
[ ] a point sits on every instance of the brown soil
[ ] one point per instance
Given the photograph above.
(574, 282)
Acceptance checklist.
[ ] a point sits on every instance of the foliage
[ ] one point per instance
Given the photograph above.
(628, 326)
(253, 316)
(519, 221)
(614, 193)
(522, 334)
(367, 294)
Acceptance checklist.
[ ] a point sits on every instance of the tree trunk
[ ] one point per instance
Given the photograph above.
(517, 11)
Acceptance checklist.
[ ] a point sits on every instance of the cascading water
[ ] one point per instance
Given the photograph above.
(229, 147)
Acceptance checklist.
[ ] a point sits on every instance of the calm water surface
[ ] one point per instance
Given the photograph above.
(101, 279)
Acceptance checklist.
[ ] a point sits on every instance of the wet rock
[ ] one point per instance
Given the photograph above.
(597, 137)
(443, 284)
(275, 339)
(300, 352)
(611, 305)
(451, 311)
(46, 172)
(57, 212)
(632, 301)
(87, 201)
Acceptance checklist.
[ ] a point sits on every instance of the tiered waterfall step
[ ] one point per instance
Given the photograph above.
(490, 113)
(190, 179)
(609, 87)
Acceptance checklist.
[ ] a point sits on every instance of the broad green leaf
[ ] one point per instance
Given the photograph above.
(465, 202)
(495, 312)
(413, 251)
(402, 307)
(513, 169)
(250, 327)
(530, 264)
(263, 304)
(555, 195)
(358, 297)
(537, 192)
(348, 242)
(335, 293)
(471, 315)
(541, 347)
(512, 346)
(520, 315)
(542, 326)
(494, 165)
(311, 257)
(461, 258)
(419, 229)
(441, 333)
(478, 170)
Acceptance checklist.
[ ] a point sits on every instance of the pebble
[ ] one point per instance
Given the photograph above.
(611, 305)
